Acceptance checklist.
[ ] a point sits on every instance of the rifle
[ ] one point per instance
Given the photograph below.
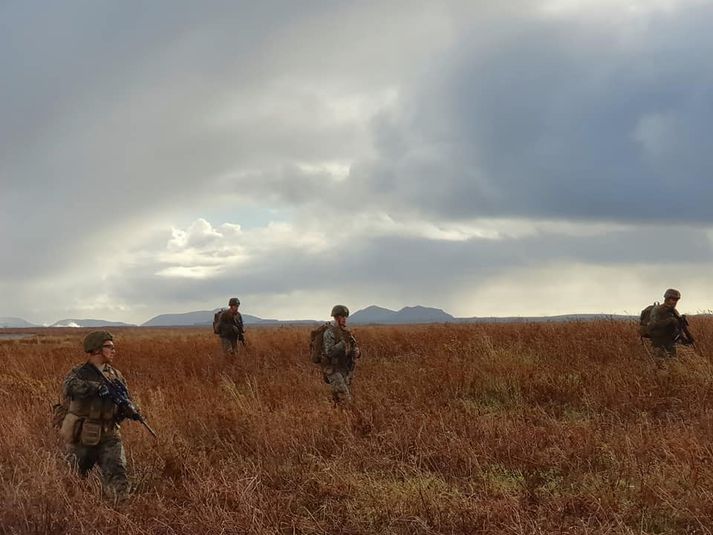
(682, 335)
(117, 392)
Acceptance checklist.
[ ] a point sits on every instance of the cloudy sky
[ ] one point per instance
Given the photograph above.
(547, 157)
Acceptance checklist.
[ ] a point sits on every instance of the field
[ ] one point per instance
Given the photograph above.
(518, 428)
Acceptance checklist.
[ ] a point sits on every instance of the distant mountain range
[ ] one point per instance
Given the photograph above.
(198, 318)
(14, 323)
(371, 315)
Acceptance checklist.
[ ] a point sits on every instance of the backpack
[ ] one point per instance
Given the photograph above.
(216, 320)
(644, 319)
(316, 343)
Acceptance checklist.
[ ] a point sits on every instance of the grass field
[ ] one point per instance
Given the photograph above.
(532, 428)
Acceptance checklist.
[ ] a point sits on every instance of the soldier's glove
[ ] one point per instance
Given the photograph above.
(129, 411)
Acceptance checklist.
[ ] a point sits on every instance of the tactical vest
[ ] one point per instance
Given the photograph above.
(344, 335)
(89, 419)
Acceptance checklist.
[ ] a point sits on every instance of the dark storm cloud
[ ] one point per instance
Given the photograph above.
(558, 119)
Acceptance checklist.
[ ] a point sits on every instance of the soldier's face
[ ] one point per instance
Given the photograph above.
(234, 308)
(671, 301)
(108, 352)
(341, 321)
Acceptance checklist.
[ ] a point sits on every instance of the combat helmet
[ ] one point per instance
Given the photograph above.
(95, 340)
(340, 310)
(672, 293)
(233, 301)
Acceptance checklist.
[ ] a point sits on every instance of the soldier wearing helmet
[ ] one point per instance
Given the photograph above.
(664, 325)
(231, 328)
(340, 352)
(90, 428)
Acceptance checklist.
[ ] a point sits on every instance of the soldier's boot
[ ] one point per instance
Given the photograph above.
(117, 493)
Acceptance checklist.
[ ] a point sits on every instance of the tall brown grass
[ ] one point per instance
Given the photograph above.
(518, 428)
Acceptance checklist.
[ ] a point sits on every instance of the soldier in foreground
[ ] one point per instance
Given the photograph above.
(90, 427)
(666, 326)
(340, 351)
(230, 328)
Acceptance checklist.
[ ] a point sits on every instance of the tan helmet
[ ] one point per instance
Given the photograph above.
(340, 310)
(672, 293)
(95, 340)
(233, 301)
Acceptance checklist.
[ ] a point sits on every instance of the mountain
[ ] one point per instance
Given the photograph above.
(14, 323)
(372, 314)
(417, 314)
(198, 318)
(90, 323)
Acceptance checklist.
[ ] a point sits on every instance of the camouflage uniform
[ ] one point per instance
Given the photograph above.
(231, 330)
(340, 349)
(663, 329)
(89, 410)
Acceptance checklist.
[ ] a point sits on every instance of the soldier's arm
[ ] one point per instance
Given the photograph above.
(355, 351)
(332, 348)
(241, 326)
(78, 388)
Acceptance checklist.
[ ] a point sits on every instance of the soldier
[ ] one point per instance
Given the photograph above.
(340, 351)
(230, 328)
(664, 326)
(91, 427)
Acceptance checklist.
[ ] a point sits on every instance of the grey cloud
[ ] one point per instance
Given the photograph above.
(412, 270)
(116, 117)
(111, 114)
(558, 119)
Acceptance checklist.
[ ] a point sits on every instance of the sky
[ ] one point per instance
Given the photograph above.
(539, 157)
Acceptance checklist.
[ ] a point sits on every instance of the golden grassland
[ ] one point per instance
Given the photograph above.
(517, 428)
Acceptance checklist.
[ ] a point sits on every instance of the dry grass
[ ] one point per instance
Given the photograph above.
(514, 429)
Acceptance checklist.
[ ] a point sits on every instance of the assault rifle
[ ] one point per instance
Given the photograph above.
(682, 335)
(117, 392)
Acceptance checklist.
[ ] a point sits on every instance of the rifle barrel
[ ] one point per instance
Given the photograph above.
(147, 426)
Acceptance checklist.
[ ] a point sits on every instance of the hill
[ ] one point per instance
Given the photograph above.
(197, 318)
(407, 315)
(14, 323)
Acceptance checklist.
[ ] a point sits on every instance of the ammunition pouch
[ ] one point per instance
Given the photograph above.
(91, 433)
(71, 428)
(92, 418)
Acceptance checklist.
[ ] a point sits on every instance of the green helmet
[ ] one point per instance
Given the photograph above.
(95, 339)
(233, 301)
(340, 310)
(672, 293)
